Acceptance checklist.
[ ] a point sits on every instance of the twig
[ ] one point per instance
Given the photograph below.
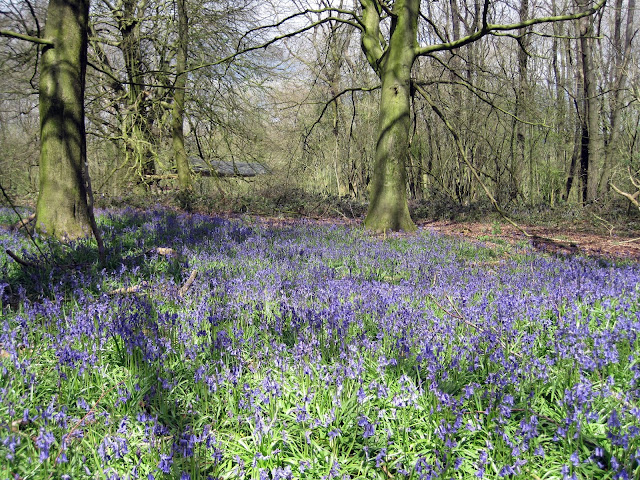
(627, 241)
(607, 224)
(125, 290)
(339, 213)
(188, 283)
(454, 315)
(385, 470)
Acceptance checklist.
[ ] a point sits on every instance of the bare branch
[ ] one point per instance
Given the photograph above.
(188, 283)
(461, 150)
(28, 38)
(19, 260)
(372, 42)
(491, 28)
(632, 198)
(482, 95)
(358, 23)
(333, 99)
(635, 182)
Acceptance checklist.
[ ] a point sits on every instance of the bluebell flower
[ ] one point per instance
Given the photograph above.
(380, 456)
(165, 463)
(303, 466)
(361, 396)
(283, 473)
(369, 428)
(575, 459)
(10, 443)
(44, 441)
(335, 470)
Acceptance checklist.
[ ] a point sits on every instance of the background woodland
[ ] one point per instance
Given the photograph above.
(546, 114)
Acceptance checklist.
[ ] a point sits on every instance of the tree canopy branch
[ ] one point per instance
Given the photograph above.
(270, 42)
(372, 43)
(356, 23)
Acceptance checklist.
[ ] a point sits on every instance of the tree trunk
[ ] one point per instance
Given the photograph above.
(62, 209)
(388, 206)
(522, 95)
(182, 163)
(618, 84)
(591, 152)
(574, 162)
(138, 120)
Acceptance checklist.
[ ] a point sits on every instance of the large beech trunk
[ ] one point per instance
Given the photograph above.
(388, 207)
(62, 209)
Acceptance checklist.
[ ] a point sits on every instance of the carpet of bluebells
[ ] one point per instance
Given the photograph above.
(304, 351)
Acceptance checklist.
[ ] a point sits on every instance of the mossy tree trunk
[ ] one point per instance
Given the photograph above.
(388, 206)
(62, 210)
(179, 93)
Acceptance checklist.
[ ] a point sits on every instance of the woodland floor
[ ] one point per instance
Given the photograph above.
(559, 232)
(581, 238)
(567, 241)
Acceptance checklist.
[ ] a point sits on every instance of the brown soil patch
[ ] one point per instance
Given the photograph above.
(551, 240)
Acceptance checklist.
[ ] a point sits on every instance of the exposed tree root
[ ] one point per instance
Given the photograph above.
(19, 260)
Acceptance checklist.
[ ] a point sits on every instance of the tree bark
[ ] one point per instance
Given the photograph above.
(522, 94)
(618, 83)
(179, 93)
(139, 120)
(62, 209)
(388, 206)
(591, 151)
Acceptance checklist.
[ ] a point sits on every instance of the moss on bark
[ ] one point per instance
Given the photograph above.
(388, 205)
(62, 209)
